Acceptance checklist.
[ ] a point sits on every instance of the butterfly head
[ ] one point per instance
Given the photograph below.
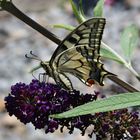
(43, 64)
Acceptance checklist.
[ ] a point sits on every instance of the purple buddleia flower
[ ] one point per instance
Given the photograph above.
(37, 101)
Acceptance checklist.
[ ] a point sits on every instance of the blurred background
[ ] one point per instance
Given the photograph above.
(18, 39)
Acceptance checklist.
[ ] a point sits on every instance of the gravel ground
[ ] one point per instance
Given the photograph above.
(17, 39)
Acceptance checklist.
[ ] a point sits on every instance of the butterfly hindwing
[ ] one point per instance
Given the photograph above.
(70, 61)
(62, 80)
(83, 67)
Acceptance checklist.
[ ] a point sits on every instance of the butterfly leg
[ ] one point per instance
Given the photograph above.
(43, 77)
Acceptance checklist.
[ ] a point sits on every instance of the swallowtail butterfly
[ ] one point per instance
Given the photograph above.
(79, 55)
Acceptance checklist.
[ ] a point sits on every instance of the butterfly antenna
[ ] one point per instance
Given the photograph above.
(32, 56)
(31, 52)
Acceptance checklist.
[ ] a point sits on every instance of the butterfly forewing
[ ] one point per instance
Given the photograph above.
(63, 80)
(88, 34)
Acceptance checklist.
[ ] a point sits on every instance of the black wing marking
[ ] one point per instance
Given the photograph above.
(88, 34)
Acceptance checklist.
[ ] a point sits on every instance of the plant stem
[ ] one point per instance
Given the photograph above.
(11, 8)
(123, 84)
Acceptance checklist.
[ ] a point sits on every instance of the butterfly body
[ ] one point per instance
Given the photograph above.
(79, 55)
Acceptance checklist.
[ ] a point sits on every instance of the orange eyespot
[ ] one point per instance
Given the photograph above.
(90, 82)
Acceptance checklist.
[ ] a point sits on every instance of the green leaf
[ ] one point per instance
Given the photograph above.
(98, 10)
(109, 53)
(129, 40)
(64, 26)
(75, 9)
(81, 11)
(120, 101)
(80, 18)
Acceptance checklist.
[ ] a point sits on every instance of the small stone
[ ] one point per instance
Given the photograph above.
(2, 105)
(12, 124)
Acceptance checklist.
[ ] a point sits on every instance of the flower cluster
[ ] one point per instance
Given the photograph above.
(119, 124)
(36, 101)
